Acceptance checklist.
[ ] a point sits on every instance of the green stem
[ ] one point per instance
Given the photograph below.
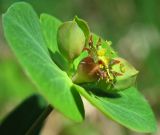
(70, 69)
(39, 120)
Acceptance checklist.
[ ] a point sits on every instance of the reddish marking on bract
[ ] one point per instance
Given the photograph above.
(91, 41)
(98, 43)
(100, 62)
(114, 62)
(117, 74)
(86, 49)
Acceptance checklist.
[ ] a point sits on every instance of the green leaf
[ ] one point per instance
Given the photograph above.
(23, 33)
(128, 108)
(84, 26)
(22, 118)
(50, 26)
(79, 58)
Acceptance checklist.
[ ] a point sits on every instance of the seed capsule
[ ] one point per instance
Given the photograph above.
(70, 39)
(87, 71)
(128, 77)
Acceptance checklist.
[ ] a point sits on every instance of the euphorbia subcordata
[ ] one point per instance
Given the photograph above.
(65, 60)
(99, 68)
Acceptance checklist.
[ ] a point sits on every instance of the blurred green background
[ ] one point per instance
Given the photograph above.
(133, 26)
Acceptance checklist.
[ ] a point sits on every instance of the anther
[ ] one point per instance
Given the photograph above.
(98, 43)
(114, 62)
(91, 41)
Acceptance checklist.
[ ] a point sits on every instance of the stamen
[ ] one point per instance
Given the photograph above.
(116, 73)
(114, 62)
(98, 43)
(91, 41)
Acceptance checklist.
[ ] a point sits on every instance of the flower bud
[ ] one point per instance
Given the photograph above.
(70, 39)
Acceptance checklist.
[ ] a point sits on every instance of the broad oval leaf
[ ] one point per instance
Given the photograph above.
(23, 33)
(128, 108)
(50, 26)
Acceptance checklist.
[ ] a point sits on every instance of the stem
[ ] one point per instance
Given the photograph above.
(70, 69)
(40, 119)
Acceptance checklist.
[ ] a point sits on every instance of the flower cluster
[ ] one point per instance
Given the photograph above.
(103, 64)
(97, 68)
